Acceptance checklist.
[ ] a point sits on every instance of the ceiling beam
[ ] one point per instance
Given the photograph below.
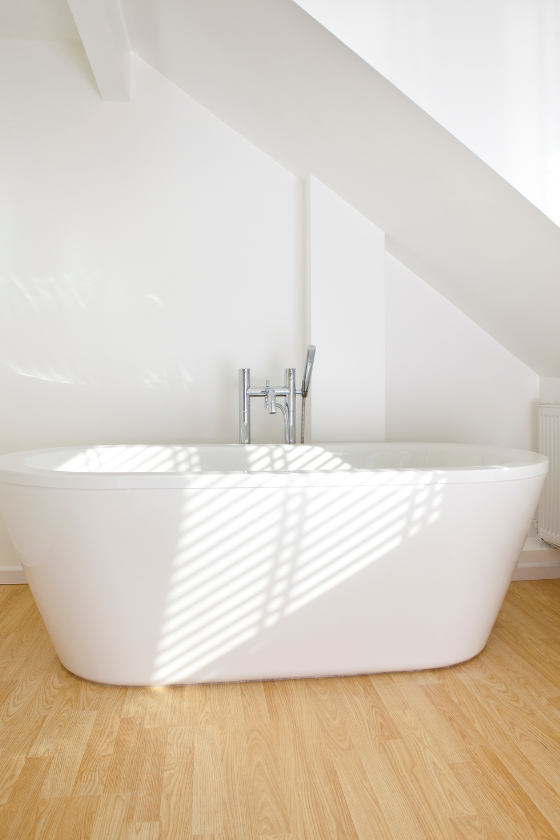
(101, 27)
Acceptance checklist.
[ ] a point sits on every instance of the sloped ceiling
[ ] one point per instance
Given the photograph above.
(287, 84)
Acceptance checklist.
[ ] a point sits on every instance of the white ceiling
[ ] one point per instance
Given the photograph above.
(37, 20)
(285, 83)
(500, 92)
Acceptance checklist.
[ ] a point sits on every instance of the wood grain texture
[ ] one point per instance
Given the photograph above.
(464, 753)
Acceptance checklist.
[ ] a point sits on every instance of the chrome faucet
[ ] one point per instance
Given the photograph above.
(271, 394)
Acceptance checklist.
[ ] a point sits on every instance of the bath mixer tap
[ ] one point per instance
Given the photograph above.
(271, 394)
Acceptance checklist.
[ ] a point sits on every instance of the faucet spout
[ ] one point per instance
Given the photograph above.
(270, 398)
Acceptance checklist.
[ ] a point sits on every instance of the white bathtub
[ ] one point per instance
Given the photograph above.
(158, 565)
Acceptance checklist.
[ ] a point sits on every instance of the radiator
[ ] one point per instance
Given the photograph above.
(549, 444)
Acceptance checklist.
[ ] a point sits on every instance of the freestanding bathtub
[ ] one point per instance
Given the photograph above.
(156, 565)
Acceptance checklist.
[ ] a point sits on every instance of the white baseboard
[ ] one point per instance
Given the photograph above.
(538, 560)
(533, 566)
(12, 574)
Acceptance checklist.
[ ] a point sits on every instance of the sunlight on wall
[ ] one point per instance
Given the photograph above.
(47, 374)
(107, 335)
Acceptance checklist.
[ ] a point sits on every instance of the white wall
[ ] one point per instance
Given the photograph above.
(38, 20)
(549, 390)
(146, 252)
(487, 70)
(448, 380)
(345, 319)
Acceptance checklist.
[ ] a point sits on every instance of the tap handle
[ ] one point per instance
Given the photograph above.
(270, 398)
(308, 370)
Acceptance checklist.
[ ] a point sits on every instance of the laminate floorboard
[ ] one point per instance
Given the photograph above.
(470, 752)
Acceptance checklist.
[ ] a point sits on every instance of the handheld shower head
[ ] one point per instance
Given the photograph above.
(308, 370)
(306, 381)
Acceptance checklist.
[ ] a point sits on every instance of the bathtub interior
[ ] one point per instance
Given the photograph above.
(274, 458)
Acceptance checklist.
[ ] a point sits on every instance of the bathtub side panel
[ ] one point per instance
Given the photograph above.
(148, 587)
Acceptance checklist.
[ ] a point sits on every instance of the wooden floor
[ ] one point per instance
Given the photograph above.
(466, 752)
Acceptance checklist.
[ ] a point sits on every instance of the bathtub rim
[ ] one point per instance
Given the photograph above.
(523, 464)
